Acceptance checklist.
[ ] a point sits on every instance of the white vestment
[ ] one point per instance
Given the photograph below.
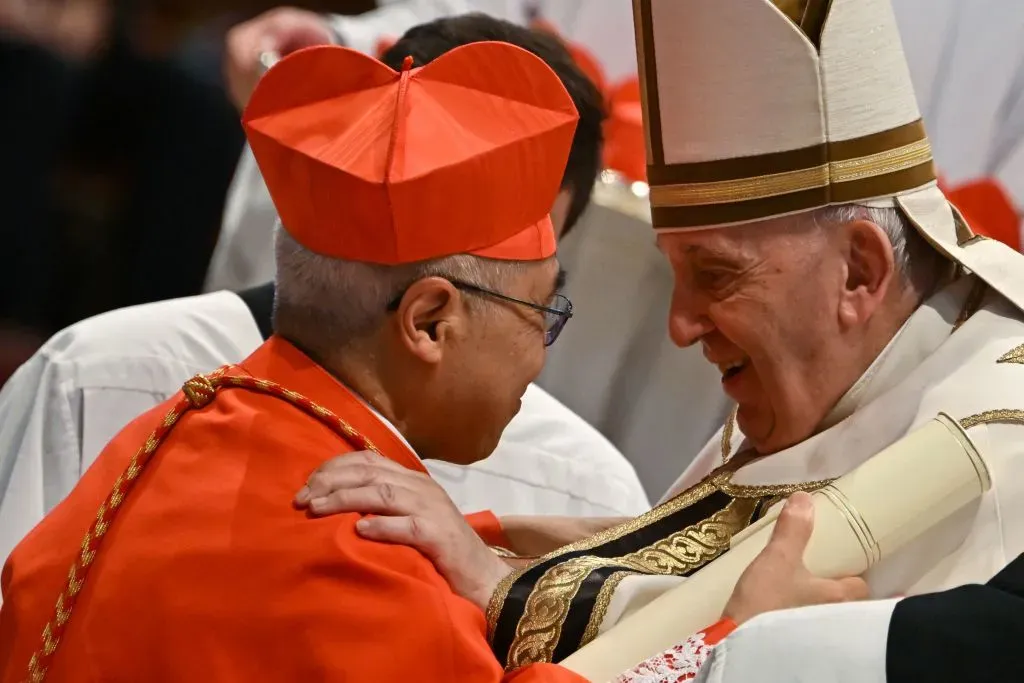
(843, 643)
(925, 369)
(62, 407)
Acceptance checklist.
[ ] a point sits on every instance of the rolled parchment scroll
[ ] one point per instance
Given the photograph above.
(857, 523)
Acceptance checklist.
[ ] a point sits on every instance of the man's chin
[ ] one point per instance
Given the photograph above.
(757, 429)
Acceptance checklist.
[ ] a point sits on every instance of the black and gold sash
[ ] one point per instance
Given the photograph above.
(554, 606)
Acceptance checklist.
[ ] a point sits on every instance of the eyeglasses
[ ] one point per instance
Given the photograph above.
(555, 316)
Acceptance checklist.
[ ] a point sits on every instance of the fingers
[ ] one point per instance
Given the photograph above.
(353, 471)
(408, 530)
(793, 529)
(383, 498)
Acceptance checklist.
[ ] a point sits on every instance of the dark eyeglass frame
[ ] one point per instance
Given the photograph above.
(554, 319)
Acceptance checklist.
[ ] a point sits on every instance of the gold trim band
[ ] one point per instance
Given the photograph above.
(788, 182)
(882, 163)
(744, 189)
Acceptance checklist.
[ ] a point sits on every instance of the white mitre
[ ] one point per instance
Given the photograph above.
(757, 109)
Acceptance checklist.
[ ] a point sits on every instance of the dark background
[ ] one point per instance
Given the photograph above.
(116, 157)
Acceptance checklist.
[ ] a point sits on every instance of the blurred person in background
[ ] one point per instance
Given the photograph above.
(91, 379)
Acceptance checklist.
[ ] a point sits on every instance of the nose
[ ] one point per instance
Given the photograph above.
(686, 324)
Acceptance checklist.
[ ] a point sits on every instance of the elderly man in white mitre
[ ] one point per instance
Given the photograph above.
(844, 300)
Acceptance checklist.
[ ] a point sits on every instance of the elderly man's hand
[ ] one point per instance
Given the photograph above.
(777, 578)
(282, 30)
(414, 510)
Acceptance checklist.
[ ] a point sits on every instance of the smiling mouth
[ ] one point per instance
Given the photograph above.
(731, 369)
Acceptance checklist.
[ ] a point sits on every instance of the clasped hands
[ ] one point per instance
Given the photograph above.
(412, 509)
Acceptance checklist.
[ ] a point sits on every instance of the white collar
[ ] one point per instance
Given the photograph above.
(919, 337)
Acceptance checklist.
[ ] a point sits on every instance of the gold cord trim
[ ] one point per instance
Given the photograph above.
(727, 430)
(601, 604)
(770, 490)
(1005, 416)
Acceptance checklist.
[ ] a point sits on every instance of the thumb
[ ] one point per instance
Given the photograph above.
(793, 529)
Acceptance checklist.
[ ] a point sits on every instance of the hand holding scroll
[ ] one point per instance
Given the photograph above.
(777, 578)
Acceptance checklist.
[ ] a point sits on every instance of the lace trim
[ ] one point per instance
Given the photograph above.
(679, 663)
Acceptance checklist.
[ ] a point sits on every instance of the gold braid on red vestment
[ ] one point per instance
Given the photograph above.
(198, 392)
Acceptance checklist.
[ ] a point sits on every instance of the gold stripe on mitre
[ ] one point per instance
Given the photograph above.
(768, 185)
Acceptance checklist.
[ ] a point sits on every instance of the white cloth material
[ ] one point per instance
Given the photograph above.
(924, 371)
(62, 407)
(244, 254)
(843, 643)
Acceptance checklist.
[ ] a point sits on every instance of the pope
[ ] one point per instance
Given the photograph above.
(822, 271)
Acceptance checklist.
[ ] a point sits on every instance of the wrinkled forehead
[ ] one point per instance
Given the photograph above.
(742, 240)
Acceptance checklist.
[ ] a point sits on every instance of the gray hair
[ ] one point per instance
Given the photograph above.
(918, 265)
(323, 304)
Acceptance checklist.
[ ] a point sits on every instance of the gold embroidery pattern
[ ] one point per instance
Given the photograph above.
(727, 430)
(1014, 356)
(771, 490)
(1004, 416)
(601, 603)
(685, 499)
(539, 629)
(697, 492)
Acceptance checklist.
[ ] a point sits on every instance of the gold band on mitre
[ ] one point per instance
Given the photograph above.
(758, 187)
(840, 134)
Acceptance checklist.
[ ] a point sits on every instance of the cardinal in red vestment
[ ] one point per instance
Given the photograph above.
(416, 295)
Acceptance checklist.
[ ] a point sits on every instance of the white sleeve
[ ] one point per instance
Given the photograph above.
(39, 448)
(392, 18)
(842, 643)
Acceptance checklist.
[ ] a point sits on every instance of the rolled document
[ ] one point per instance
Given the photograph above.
(857, 523)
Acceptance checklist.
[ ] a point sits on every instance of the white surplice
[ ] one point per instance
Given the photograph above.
(843, 643)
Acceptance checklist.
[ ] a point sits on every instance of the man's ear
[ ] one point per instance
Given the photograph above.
(870, 271)
(429, 313)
